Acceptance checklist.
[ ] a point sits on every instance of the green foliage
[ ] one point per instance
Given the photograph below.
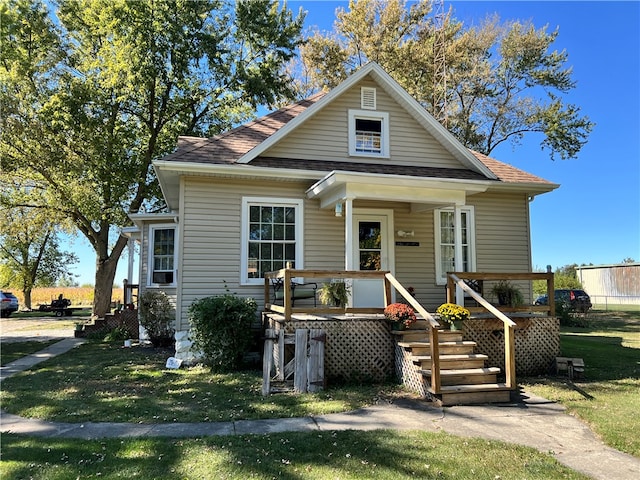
(90, 100)
(507, 294)
(334, 293)
(503, 80)
(221, 329)
(563, 278)
(156, 316)
(117, 334)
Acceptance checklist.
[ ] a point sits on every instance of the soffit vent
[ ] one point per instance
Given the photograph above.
(368, 98)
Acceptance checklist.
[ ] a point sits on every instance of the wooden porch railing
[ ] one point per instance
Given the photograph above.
(549, 309)
(287, 309)
(509, 335)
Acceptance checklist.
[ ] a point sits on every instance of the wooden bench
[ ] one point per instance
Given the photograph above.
(573, 366)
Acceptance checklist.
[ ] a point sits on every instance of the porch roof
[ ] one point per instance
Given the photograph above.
(422, 193)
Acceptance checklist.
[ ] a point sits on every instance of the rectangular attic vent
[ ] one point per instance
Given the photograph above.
(368, 98)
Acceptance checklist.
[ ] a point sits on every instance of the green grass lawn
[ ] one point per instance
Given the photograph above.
(608, 397)
(12, 351)
(380, 454)
(105, 382)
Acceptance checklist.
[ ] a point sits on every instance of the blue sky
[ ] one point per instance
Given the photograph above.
(594, 217)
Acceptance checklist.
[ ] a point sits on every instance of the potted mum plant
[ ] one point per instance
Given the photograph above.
(400, 315)
(453, 315)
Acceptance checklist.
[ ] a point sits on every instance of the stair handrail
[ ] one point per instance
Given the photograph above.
(509, 335)
(433, 329)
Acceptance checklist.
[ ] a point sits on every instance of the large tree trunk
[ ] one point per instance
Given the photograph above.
(105, 274)
(27, 297)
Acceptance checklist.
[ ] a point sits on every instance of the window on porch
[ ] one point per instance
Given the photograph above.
(445, 246)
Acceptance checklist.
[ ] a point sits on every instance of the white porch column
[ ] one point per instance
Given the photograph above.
(131, 251)
(348, 234)
(458, 263)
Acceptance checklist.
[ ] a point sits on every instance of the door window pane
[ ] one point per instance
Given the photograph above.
(370, 245)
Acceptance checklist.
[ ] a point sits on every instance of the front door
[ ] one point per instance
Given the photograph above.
(371, 251)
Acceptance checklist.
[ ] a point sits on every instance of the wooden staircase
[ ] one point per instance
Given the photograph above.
(464, 377)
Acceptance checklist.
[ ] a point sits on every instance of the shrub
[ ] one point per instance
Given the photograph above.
(117, 335)
(156, 315)
(221, 329)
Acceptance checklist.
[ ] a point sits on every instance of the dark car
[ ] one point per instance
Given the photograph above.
(575, 299)
(8, 303)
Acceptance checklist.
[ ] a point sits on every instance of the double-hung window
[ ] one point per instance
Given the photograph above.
(368, 133)
(162, 255)
(445, 241)
(272, 236)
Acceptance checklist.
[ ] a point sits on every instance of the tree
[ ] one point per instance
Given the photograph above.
(30, 253)
(502, 79)
(89, 102)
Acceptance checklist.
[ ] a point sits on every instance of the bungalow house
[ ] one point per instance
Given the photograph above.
(359, 178)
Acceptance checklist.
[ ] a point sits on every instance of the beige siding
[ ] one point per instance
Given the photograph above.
(502, 232)
(144, 264)
(210, 239)
(210, 224)
(503, 240)
(324, 137)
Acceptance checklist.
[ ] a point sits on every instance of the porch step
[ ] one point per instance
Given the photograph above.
(411, 335)
(474, 394)
(455, 361)
(424, 348)
(466, 376)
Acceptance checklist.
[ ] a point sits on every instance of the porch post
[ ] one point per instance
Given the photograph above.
(459, 264)
(348, 234)
(131, 252)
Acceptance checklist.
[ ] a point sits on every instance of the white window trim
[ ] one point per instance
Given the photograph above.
(244, 232)
(369, 115)
(152, 229)
(441, 277)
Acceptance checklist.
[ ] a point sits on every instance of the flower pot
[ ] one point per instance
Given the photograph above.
(456, 325)
(398, 326)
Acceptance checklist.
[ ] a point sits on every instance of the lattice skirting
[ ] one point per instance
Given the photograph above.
(537, 342)
(407, 372)
(356, 348)
(127, 319)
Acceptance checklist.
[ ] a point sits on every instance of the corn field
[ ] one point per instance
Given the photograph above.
(79, 296)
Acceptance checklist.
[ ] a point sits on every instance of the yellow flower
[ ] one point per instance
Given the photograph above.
(450, 312)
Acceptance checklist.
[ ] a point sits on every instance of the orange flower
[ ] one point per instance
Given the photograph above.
(400, 312)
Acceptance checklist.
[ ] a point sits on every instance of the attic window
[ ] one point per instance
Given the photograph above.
(368, 133)
(368, 98)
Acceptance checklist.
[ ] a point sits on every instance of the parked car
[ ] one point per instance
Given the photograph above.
(575, 299)
(8, 303)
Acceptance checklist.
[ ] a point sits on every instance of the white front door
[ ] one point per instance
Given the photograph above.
(371, 251)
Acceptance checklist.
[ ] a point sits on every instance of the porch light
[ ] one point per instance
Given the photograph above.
(404, 234)
(338, 209)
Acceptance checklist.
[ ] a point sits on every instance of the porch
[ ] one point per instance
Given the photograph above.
(475, 365)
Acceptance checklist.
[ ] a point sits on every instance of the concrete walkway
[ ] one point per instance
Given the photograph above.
(530, 421)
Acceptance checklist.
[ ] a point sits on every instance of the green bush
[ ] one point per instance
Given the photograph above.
(156, 316)
(117, 335)
(221, 329)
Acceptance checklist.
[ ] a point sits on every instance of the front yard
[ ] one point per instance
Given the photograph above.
(105, 382)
